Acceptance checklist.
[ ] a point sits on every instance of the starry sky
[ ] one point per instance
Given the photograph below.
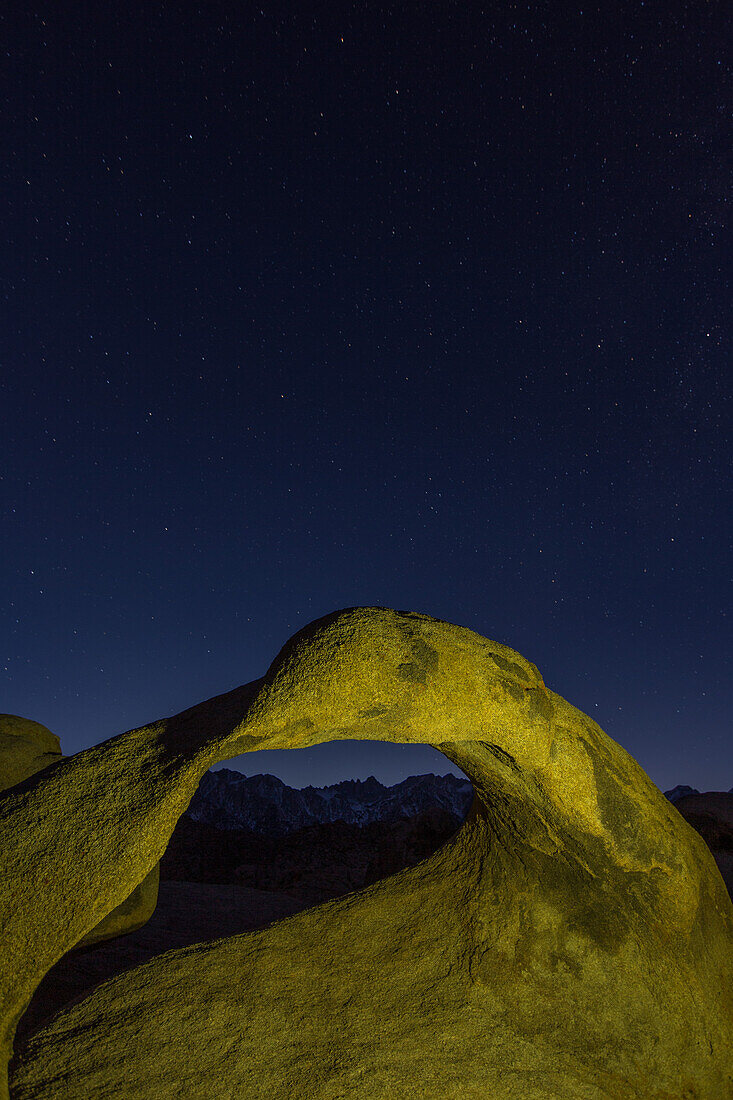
(316, 306)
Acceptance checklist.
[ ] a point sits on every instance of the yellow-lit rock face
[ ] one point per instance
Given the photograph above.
(135, 911)
(572, 940)
(27, 747)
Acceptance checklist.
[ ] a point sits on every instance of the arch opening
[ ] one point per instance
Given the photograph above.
(253, 849)
(543, 915)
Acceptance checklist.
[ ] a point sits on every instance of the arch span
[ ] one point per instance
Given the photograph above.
(572, 936)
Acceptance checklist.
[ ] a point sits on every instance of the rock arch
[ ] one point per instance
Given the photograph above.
(572, 939)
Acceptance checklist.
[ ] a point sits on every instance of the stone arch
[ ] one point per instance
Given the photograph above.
(556, 937)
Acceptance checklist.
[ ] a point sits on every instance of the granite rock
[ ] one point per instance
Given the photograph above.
(571, 939)
(26, 748)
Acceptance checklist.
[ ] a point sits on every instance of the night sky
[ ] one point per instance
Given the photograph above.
(315, 306)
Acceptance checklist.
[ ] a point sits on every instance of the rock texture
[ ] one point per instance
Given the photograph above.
(572, 939)
(186, 913)
(202, 896)
(205, 899)
(27, 747)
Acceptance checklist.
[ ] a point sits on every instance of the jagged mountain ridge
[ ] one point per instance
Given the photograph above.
(264, 804)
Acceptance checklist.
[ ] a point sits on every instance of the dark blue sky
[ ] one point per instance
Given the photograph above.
(308, 307)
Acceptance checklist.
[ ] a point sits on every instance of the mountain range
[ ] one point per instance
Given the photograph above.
(227, 799)
(262, 803)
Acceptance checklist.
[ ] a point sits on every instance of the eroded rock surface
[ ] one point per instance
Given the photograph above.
(572, 939)
(186, 913)
(26, 748)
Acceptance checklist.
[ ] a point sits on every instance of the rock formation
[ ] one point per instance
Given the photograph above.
(206, 892)
(571, 939)
(27, 747)
(186, 913)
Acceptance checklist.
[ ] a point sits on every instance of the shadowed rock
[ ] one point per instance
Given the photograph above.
(711, 815)
(186, 913)
(316, 863)
(572, 939)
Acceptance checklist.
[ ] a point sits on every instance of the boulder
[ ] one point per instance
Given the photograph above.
(26, 747)
(186, 913)
(571, 939)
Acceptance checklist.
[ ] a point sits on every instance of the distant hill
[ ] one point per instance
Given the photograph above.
(264, 804)
(682, 791)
